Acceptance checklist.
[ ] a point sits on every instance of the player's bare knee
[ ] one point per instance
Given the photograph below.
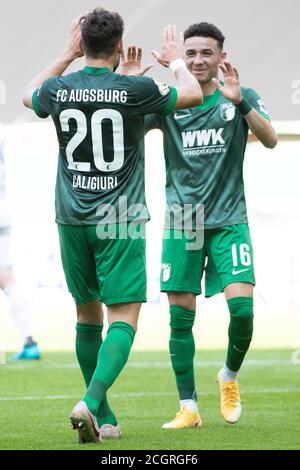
(127, 313)
(182, 299)
(238, 289)
(90, 313)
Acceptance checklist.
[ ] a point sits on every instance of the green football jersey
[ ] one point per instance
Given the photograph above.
(99, 120)
(204, 151)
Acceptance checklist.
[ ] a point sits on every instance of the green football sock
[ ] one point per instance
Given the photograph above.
(88, 342)
(182, 350)
(112, 357)
(240, 331)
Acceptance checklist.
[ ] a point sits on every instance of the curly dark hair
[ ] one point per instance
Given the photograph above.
(101, 32)
(206, 30)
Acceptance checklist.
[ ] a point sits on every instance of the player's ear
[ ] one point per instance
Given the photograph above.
(120, 47)
(81, 46)
(223, 56)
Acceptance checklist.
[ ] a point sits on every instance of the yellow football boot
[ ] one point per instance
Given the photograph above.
(184, 419)
(230, 402)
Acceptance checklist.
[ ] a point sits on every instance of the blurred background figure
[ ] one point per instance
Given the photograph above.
(19, 304)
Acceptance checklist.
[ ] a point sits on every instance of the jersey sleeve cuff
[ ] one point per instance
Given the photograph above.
(35, 106)
(171, 103)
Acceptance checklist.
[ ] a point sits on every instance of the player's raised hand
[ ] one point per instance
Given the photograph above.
(172, 46)
(74, 43)
(132, 64)
(231, 88)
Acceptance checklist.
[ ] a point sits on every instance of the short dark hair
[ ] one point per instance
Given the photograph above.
(101, 32)
(206, 30)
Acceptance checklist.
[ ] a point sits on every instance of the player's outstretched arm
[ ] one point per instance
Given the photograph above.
(189, 93)
(72, 51)
(260, 127)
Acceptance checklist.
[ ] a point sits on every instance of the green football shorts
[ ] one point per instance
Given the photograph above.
(225, 255)
(111, 270)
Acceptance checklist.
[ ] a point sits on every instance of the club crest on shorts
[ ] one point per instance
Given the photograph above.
(227, 111)
(165, 272)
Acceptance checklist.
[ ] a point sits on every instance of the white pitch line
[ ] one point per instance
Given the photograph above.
(54, 397)
(153, 364)
(246, 391)
(250, 362)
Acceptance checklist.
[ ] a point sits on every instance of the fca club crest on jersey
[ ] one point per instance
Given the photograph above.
(163, 88)
(165, 272)
(227, 111)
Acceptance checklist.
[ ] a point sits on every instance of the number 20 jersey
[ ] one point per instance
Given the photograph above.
(99, 119)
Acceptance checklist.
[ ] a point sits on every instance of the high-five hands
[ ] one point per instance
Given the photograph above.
(231, 88)
(132, 64)
(172, 49)
(172, 46)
